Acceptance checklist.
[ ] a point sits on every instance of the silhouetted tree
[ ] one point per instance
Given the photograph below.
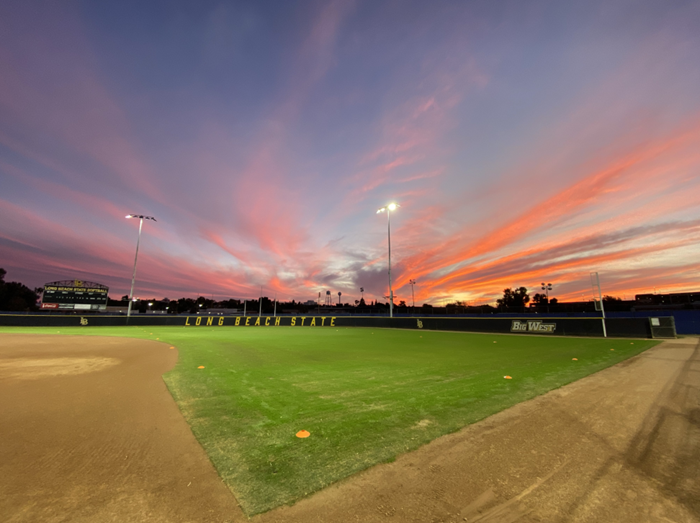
(540, 299)
(611, 299)
(514, 298)
(16, 297)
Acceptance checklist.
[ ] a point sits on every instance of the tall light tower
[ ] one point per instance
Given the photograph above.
(413, 296)
(141, 217)
(388, 209)
(546, 288)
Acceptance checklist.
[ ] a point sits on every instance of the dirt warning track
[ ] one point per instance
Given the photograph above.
(90, 433)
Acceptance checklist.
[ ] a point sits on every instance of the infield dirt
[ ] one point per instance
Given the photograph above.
(90, 433)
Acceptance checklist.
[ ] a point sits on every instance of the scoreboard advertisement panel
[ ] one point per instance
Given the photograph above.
(74, 295)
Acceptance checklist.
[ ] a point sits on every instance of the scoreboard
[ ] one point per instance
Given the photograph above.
(74, 295)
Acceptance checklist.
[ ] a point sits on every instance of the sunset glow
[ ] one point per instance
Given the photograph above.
(524, 141)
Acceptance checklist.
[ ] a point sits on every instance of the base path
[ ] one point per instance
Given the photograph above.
(90, 433)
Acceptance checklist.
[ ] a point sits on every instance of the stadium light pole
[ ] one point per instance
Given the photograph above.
(413, 296)
(141, 217)
(391, 207)
(546, 287)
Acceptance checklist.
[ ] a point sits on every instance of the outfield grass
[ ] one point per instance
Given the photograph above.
(365, 395)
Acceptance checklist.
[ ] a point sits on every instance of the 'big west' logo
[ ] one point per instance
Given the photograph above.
(532, 326)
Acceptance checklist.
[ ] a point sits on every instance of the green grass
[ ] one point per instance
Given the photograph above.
(366, 395)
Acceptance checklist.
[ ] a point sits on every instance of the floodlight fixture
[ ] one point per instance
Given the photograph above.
(141, 216)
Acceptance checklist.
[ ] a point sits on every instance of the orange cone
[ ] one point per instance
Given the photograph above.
(201, 367)
(507, 377)
(303, 434)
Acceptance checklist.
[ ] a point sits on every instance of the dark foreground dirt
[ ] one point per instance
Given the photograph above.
(88, 432)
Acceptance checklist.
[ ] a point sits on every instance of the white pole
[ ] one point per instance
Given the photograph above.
(413, 297)
(260, 311)
(133, 276)
(602, 307)
(391, 292)
(275, 313)
(245, 303)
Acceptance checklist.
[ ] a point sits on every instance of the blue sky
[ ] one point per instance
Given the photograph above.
(525, 142)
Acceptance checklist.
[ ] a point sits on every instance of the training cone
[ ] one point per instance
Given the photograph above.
(574, 359)
(303, 434)
(201, 367)
(507, 378)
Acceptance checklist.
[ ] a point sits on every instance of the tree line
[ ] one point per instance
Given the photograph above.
(14, 296)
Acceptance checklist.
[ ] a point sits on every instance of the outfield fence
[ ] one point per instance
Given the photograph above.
(653, 327)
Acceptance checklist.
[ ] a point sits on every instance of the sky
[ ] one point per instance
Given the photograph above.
(525, 142)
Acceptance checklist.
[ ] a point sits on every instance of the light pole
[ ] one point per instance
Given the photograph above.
(141, 217)
(546, 288)
(413, 296)
(388, 209)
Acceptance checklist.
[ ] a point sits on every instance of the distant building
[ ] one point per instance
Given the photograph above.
(679, 298)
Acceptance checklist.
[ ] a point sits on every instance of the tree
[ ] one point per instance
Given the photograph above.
(402, 303)
(611, 299)
(514, 298)
(16, 297)
(539, 299)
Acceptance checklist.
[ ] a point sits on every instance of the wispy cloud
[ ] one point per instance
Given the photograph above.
(523, 146)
